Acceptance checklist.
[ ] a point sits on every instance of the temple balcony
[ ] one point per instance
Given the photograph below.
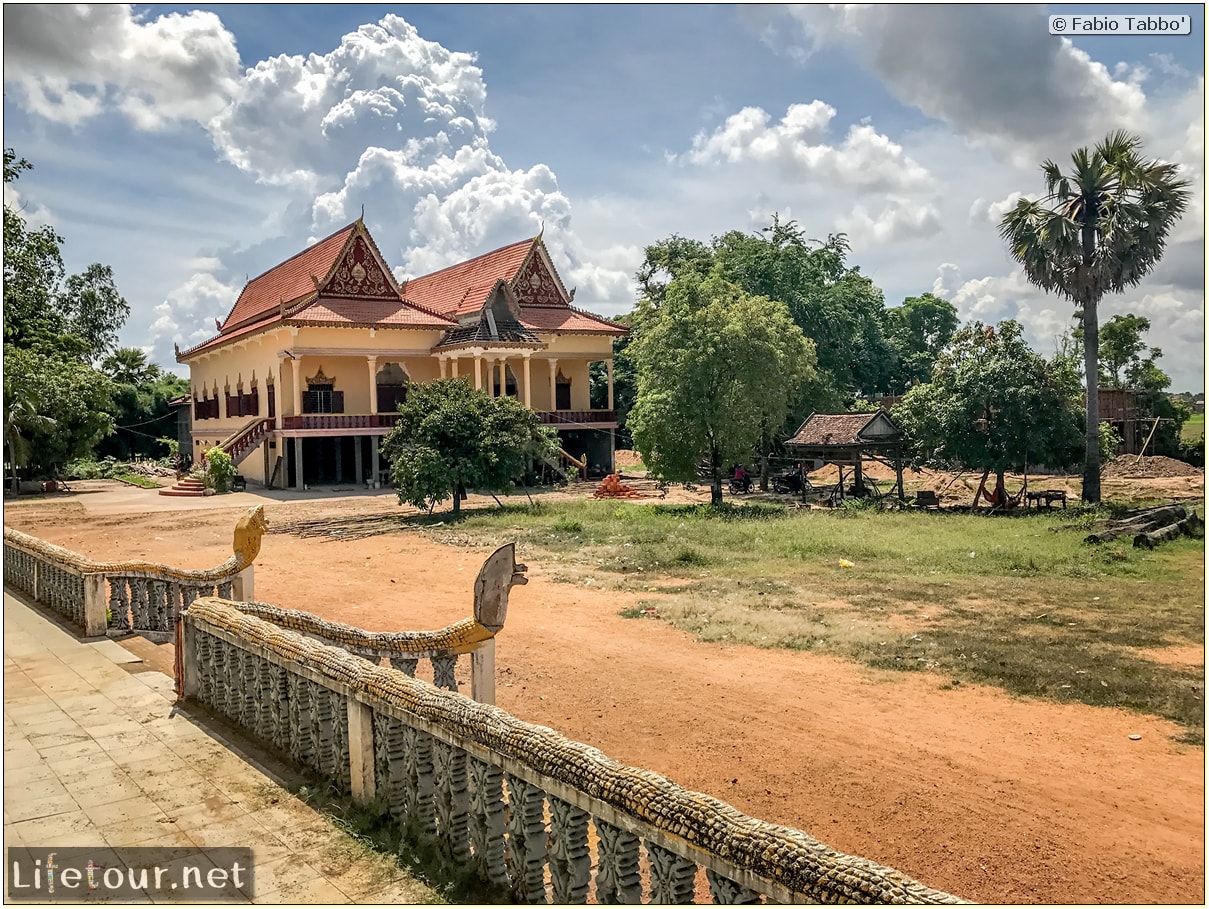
(329, 421)
(597, 419)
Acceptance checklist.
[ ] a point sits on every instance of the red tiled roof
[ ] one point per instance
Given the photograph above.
(557, 318)
(289, 281)
(329, 311)
(231, 335)
(464, 287)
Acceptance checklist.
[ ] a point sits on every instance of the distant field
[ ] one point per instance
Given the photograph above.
(1193, 428)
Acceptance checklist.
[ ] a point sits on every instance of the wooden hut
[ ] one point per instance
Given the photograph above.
(845, 439)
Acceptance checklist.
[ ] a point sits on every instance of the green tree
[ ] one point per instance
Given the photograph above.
(141, 409)
(916, 332)
(714, 365)
(1098, 230)
(74, 397)
(33, 271)
(21, 420)
(129, 366)
(993, 403)
(836, 306)
(94, 309)
(1126, 360)
(451, 437)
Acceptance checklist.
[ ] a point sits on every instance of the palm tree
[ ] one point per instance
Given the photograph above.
(1097, 231)
(21, 416)
(129, 366)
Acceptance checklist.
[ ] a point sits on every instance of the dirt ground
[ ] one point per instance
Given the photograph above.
(994, 798)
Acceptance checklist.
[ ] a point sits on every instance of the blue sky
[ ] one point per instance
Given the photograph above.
(193, 146)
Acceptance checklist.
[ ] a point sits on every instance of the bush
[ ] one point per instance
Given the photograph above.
(1193, 451)
(219, 470)
(89, 469)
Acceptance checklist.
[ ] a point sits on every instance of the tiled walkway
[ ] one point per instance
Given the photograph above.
(96, 755)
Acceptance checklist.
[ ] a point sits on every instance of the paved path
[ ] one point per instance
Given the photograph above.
(96, 755)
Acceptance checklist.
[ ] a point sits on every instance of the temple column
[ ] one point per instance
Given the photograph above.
(297, 460)
(296, 367)
(478, 372)
(528, 397)
(609, 369)
(453, 362)
(444, 361)
(553, 382)
(503, 377)
(358, 467)
(372, 363)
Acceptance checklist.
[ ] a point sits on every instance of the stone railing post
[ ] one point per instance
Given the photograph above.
(242, 585)
(190, 661)
(96, 604)
(482, 673)
(37, 578)
(362, 784)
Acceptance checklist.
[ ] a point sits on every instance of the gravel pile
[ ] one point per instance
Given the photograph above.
(1131, 467)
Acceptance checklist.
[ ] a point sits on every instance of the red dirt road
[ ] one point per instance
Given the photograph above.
(993, 798)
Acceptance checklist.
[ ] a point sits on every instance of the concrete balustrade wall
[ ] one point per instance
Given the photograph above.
(538, 816)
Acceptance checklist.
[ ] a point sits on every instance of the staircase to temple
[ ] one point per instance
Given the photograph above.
(188, 486)
(246, 439)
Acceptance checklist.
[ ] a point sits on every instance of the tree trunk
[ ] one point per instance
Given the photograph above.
(1091, 367)
(12, 456)
(982, 487)
(765, 444)
(715, 467)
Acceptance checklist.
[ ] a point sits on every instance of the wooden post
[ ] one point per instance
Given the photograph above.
(242, 586)
(361, 751)
(482, 673)
(898, 470)
(95, 605)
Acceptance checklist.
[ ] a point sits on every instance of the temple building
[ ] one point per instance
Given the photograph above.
(304, 375)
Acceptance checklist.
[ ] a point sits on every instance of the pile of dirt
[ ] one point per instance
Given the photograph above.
(1153, 466)
(624, 457)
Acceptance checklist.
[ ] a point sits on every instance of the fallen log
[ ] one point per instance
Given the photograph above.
(1189, 526)
(1146, 522)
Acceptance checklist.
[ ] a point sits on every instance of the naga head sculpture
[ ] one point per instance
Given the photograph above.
(497, 576)
(248, 531)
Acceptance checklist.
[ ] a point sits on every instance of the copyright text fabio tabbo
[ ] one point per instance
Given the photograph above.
(1142, 23)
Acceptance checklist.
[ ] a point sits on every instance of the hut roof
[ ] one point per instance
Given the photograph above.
(846, 429)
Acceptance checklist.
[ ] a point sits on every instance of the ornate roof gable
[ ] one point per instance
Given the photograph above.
(537, 283)
(359, 271)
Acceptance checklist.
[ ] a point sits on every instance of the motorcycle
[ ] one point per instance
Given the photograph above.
(790, 481)
(740, 487)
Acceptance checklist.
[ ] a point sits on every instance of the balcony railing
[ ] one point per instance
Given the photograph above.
(340, 421)
(579, 417)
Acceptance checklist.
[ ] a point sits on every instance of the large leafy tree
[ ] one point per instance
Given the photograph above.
(1098, 230)
(916, 332)
(993, 403)
(837, 307)
(451, 437)
(75, 400)
(141, 410)
(93, 309)
(715, 364)
(1126, 360)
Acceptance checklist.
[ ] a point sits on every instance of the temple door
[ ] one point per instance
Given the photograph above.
(272, 401)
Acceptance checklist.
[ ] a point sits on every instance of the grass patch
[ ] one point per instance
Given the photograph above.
(1019, 602)
(137, 480)
(1193, 428)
